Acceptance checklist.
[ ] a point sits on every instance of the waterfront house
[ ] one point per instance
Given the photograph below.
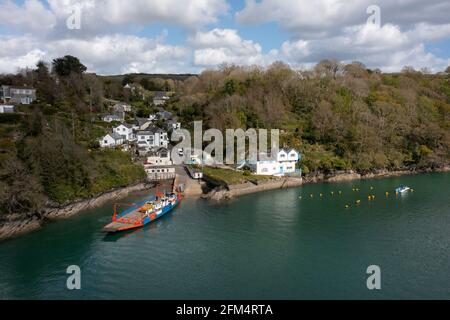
(284, 163)
(7, 108)
(152, 138)
(112, 140)
(160, 172)
(160, 157)
(160, 98)
(127, 131)
(17, 95)
(194, 172)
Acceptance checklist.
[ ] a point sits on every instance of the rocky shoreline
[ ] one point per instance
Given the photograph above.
(15, 225)
(221, 193)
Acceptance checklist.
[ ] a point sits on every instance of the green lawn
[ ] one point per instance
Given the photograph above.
(231, 177)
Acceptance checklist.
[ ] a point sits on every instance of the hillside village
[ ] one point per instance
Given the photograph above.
(147, 139)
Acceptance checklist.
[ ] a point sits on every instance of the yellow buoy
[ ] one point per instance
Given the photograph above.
(412, 190)
(371, 188)
(321, 195)
(312, 196)
(347, 206)
(340, 192)
(332, 193)
(358, 201)
(387, 194)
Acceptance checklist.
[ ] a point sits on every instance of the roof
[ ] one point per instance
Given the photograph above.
(289, 150)
(151, 131)
(160, 95)
(127, 125)
(160, 151)
(142, 121)
(164, 115)
(116, 136)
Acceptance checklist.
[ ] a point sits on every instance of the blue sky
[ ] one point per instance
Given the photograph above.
(160, 36)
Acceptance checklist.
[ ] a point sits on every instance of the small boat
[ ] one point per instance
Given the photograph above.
(402, 189)
(143, 213)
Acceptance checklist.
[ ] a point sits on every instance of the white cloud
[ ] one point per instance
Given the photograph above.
(317, 30)
(104, 54)
(28, 17)
(219, 46)
(337, 29)
(386, 48)
(100, 15)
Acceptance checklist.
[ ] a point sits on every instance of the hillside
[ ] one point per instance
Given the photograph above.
(339, 116)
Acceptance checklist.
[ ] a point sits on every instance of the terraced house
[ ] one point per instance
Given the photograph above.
(152, 138)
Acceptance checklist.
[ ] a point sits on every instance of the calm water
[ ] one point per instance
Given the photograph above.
(266, 246)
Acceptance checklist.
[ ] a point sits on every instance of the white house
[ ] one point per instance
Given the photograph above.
(285, 163)
(160, 173)
(111, 140)
(152, 138)
(112, 118)
(126, 130)
(161, 157)
(17, 95)
(173, 125)
(160, 98)
(7, 108)
(122, 107)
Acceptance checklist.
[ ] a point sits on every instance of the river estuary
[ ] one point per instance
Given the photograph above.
(281, 244)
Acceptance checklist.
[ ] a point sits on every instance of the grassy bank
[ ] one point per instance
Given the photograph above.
(231, 177)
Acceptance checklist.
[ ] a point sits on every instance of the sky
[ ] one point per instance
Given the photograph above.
(174, 36)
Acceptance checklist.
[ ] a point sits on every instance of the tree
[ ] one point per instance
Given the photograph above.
(67, 65)
(127, 79)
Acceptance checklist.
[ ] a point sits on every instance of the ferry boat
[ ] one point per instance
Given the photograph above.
(143, 213)
(402, 189)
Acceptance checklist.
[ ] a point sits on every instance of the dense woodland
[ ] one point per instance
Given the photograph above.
(339, 116)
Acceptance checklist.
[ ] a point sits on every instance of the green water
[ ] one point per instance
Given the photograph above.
(270, 245)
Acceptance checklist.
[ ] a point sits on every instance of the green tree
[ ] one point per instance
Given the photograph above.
(67, 65)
